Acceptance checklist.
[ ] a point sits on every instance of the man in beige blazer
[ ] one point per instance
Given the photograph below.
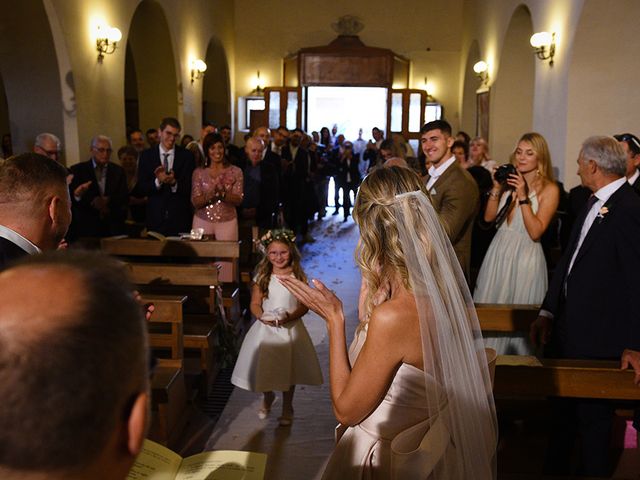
(454, 193)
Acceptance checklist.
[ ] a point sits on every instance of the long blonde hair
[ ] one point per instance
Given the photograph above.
(539, 145)
(379, 253)
(264, 269)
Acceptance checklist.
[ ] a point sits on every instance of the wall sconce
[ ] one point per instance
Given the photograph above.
(198, 67)
(481, 70)
(428, 87)
(107, 39)
(258, 91)
(544, 44)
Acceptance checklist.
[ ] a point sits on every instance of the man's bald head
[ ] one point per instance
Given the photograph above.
(254, 148)
(73, 361)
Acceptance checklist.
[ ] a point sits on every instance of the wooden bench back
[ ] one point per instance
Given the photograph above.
(198, 251)
(506, 318)
(524, 376)
(167, 311)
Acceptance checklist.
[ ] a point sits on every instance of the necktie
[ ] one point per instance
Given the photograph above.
(166, 162)
(101, 177)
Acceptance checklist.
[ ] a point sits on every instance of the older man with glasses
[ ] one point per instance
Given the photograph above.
(99, 194)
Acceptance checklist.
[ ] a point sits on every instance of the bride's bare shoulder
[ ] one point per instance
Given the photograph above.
(399, 309)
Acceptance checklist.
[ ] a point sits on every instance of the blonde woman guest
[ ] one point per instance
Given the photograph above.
(479, 154)
(216, 192)
(514, 270)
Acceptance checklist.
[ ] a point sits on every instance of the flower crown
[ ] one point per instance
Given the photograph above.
(283, 235)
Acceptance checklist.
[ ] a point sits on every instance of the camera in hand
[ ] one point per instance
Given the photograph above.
(502, 173)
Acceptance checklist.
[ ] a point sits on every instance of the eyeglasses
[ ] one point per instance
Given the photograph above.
(51, 153)
(102, 150)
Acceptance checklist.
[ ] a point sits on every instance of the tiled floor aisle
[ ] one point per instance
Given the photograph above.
(300, 451)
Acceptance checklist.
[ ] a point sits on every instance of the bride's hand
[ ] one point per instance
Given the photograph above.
(320, 299)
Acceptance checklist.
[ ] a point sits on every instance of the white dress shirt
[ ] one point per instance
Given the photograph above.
(633, 177)
(19, 240)
(170, 158)
(602, 195)
(435, 173)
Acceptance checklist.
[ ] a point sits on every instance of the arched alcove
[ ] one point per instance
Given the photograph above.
(216, 94)
(603, 77)
(511, 110)
(30, 74)
(471, 84)
(151, 62)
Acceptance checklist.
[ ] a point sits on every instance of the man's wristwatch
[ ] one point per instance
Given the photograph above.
(526, 201)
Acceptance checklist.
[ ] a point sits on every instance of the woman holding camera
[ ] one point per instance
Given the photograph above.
(522, 205)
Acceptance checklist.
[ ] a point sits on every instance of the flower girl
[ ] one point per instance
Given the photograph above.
(277, 352)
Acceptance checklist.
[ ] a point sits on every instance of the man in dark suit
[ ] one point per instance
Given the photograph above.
(454, 192)
(631, 146)
(297, 186)
(99, 194)
(347, 176)
(164, 176)
(261, 187)
(591, 309)
(35, 209)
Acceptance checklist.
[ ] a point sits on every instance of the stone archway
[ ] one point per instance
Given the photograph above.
(512, 91)
(34, 105)
(216, 94)
(151, 85)
(471, 84)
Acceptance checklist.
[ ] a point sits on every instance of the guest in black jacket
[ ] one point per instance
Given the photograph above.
(99, 194)
(164, 176)
(35, 210)
(348, 177)
(261, 187)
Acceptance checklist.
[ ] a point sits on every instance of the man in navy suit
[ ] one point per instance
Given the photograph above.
(100, 195)
(35, 209)
(164, 176)
(591, 310)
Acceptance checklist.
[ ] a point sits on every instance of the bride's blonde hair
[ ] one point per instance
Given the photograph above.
(379, 253)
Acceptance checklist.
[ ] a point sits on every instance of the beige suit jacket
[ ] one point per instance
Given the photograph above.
(456, 198)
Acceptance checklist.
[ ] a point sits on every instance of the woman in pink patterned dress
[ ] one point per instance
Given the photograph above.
(216, 192)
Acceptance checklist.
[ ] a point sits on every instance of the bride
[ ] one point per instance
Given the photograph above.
(413, 394)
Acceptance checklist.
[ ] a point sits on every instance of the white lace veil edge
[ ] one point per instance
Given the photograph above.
(457, 377)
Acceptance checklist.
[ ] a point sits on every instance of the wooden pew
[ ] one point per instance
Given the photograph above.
(168, 388)
(524, 376)
(506, 318)
(208, 251)
(198, 331)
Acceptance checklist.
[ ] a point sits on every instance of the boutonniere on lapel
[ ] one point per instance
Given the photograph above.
(602, 213)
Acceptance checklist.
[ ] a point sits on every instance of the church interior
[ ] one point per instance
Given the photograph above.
(81, 68)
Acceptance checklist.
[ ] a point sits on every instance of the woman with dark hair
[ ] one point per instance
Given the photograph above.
(325, 138)
(216, 192)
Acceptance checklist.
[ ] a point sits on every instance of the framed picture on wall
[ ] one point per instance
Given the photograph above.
(482, 114)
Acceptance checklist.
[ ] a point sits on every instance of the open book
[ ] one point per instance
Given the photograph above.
(156, 462)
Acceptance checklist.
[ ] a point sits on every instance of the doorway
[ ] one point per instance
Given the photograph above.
(350, 108)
